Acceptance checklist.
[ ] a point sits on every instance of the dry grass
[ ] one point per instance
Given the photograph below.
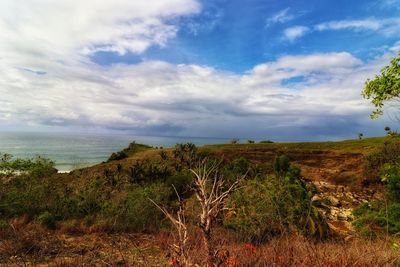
(33, 245)
(297, 251)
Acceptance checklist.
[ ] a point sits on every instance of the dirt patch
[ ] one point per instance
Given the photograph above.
(316, 165)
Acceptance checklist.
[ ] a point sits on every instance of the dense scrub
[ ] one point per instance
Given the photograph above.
(275, 205)
(118, 200)
(388, 153)
(383, 216)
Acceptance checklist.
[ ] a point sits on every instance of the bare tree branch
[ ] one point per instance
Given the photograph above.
(210, 189)
(179, 222)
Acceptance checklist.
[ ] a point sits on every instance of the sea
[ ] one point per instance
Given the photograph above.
(72, 151)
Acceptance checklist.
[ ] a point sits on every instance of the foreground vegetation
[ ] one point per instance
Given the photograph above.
(115, 213)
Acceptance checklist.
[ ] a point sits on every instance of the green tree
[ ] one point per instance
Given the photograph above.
(384, 87)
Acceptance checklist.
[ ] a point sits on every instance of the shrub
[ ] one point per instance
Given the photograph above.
(181, 181)
(47, 219)
(281, 165)
(390, 174)
(185, 155)
(134, 211)
(37, 166)
(389, 153)
(118, 156)
(382, 216)
(266, 142)
(252, 214)
(274, 206)
(24, 195)
(4, 225)
(163, 155)
(374, 218)
(126, 152)
(239, 166)
(145, 171)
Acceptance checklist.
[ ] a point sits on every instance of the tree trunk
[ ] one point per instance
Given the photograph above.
(209, 247)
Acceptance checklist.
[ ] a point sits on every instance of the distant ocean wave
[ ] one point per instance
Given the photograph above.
(71, 151)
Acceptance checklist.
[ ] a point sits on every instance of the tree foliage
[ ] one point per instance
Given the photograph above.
(384, 87)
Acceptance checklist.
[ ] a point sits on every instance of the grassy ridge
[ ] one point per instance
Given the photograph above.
(364, 146)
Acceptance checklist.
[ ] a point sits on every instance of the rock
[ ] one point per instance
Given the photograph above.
(333, 213)
(316, 198)
(341, 216)
(333, 200)
(340, 188)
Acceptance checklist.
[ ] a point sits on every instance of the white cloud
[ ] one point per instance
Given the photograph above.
(61, 28)
(189, 99)
(280, 17)
(367, 24)
(283, 16)
(207, 21)
(47, 78)
(295, 32)
(387, 26)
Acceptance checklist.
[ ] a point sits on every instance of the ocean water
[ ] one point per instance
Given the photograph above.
(72, 151)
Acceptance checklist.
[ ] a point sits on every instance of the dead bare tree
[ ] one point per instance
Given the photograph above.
(180, 248)
(211, 190)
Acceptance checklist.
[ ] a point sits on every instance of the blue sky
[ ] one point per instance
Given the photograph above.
(284, 70)
(236, 35)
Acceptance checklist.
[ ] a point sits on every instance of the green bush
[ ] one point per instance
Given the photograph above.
(262, 209)
(181, 181)
(389, 153)
(24, 195)
(46, 218)
(30, 188)
(37, 166)
(281, 165)
(135, 212)
(266, 142)
(4, 225)
(147, 172)
(239, 166)
(185, 155)
(118, 156)
(253, 212)
(380, 216)
(374, 218)
(390, 174)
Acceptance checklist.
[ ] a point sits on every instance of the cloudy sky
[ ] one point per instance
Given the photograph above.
(276, 69)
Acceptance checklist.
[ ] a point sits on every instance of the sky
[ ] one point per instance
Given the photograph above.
(262, 69)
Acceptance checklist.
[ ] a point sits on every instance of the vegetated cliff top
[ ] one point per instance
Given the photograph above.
(333, 161)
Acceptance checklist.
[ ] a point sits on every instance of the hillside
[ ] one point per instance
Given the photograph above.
(319, 161)
(103, 214)
(337, 169)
